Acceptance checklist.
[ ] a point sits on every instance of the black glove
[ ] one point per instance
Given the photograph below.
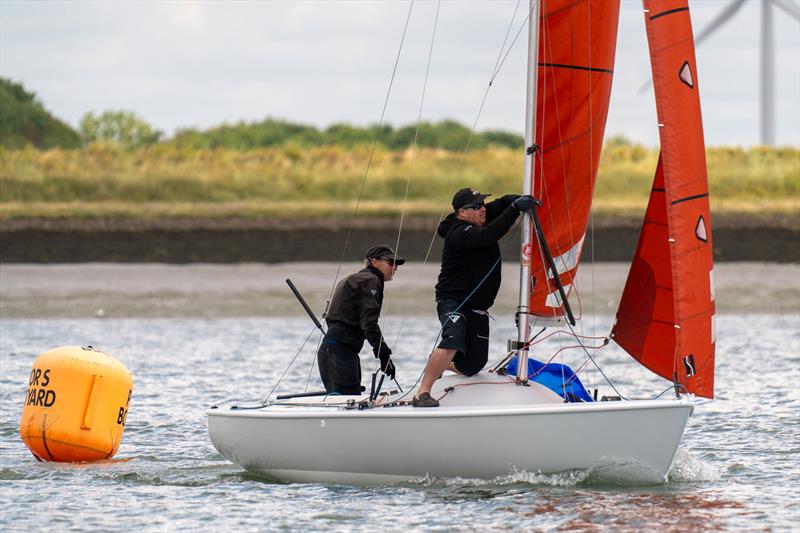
(508, 199)
(387, 365)
(524, 203)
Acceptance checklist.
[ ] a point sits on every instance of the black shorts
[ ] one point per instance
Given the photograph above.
(467, 332)
(339, 368)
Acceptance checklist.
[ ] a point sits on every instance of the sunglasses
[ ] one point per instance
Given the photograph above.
(477, 207)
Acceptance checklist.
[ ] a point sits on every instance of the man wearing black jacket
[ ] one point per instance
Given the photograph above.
(352, 318)
(468, 283)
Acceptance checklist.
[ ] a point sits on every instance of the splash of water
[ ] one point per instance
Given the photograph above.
(690, 468)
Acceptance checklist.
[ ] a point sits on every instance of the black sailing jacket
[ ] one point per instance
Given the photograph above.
(355, 309)
(471, 252)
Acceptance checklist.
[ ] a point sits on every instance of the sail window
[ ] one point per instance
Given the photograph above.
(568, 260)
(711, 284)
(685, 75)
(688, 363)
(554, 298)
(713, 329)
(700, 229)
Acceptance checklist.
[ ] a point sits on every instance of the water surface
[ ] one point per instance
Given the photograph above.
(738, 467)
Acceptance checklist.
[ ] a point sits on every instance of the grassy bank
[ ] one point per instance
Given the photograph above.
(166, 181)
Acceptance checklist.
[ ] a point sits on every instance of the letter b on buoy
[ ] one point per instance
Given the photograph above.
(76, 405)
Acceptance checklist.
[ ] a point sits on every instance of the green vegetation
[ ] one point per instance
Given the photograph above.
(447, 134)
(275, 168)
(24, 121)
(121, 128)
(165, 180)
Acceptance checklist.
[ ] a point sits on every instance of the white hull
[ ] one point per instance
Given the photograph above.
(480, 431)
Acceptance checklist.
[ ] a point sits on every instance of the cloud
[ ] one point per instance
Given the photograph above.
(181, 63)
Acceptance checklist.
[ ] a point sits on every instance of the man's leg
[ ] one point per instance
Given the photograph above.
(346, 371)
(438, 362)
(453, 329)
(326, 361)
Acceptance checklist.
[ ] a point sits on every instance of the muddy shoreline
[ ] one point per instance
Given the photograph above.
(116, 290)
(736, 238)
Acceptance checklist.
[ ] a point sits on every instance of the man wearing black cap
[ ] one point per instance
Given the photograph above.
(468, 283)
(352, 318)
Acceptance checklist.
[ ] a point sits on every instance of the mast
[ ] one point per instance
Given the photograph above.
(527, 188)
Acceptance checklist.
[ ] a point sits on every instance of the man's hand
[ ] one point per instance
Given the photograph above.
(524, 203)
(508, 199)
(387, 365)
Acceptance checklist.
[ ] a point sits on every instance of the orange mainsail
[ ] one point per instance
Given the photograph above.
(666, 315)
(577, 41)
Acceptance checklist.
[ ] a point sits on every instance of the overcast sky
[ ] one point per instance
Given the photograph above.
(198, 64)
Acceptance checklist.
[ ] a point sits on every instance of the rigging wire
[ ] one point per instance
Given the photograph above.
(414, 148)
(310, 333)
(498, 66)
(313, 362)
(372, 149)
(499, 62)
(466, 298)
(597, 366)
(378, 128)
(416, 130)
(573, 281)
(591, 159)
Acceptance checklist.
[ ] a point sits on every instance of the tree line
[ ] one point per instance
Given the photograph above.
(25, 121)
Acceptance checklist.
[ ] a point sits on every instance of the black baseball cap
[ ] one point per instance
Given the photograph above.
(466, 197)
(382, 251)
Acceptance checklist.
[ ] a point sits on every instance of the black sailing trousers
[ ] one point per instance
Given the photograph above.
(339, 368)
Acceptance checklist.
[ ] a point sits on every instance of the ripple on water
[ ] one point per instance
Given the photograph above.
(737, 468)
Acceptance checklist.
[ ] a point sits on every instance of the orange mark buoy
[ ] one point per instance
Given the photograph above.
(76, 405)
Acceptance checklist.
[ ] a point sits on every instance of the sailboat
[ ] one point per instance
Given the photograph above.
(499, 422)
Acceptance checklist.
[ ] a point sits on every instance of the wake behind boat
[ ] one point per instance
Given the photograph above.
(526, 415)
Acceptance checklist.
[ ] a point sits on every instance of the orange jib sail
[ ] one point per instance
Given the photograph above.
(577, 42)
(666, 315)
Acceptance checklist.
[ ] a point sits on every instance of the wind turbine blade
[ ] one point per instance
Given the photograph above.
(723, 16)
(710, 28)
(789, 8)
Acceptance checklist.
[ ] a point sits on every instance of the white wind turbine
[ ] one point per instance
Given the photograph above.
(767, 93)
